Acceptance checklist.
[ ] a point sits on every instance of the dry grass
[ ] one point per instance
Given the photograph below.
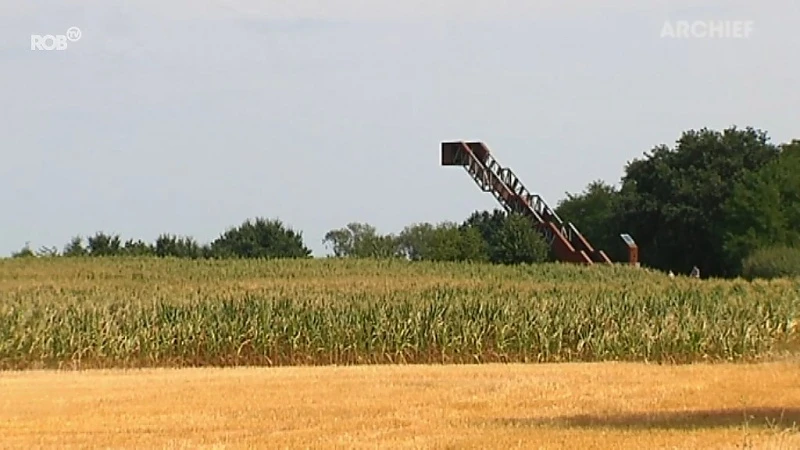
(602, 405)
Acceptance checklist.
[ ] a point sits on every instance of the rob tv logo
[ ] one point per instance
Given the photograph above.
(55, 42)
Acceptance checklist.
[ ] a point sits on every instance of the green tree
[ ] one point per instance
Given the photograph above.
(415, 241)
(25, 252)
(593, 213)
(260, 238)
(519, 242)
(177, 246)
(764, 209)
(446, 241)
(137, 248)
(102, 244)
(472, 246)
(75, 247)
(488, 224)
(672, 201)
(509, 238)
(361, 240)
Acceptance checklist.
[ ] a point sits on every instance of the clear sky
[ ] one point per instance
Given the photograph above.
(190, 116)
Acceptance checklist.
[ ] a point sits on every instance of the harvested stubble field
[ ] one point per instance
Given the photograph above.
(102, 313)
(568, 406)
(135, 313)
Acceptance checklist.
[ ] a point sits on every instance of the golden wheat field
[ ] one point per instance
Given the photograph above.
(102, 313)
(615, 332)
(564, 406)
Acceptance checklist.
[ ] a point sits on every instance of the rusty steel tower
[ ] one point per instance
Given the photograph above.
(567, 243)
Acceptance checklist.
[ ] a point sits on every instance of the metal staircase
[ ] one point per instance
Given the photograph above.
(567, 242)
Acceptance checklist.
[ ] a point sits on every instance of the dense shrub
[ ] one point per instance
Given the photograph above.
(772, 262)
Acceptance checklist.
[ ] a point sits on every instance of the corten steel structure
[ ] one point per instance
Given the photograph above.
(567, 242)
(633, 249)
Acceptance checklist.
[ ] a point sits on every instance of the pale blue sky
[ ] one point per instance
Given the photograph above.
(189, 117)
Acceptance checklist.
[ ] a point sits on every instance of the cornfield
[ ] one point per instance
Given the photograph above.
(128, 312)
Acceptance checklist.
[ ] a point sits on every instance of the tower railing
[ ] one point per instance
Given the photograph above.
(566, 241)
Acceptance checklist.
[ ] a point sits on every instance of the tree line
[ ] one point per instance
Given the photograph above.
(258, 238)
(485, 236)
(725, 201)
(495, 237)
(718, 200)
